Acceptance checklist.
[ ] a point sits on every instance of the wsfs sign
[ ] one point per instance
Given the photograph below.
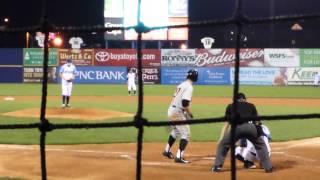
(103, 75)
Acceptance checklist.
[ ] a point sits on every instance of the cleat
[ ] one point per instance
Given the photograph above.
(249, 165)
(63, 105)
(68, 105)
(169, 154)
(181, 160)
(216, 169)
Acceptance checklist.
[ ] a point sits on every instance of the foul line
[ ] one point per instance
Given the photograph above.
(294, 156)
(123, 155)
(131, 155)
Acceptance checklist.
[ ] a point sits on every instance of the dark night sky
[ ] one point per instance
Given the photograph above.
(26, 12)
(61, 12)
(266, 35)
(90, 12)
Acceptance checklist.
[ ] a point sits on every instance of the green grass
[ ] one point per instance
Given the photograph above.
(156, 111)
(163, 90)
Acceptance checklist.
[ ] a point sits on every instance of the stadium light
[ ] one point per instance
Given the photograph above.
(183, 46)
(57, 41)
(296, 27)
(6, 20)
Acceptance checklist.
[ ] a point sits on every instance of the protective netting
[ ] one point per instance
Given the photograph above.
(139, 122)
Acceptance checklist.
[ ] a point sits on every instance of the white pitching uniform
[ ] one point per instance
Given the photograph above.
(249, 153)
(131, 81)
(67, 72)
(175, 111)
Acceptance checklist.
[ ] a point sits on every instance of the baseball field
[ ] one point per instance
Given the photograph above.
(110, 153)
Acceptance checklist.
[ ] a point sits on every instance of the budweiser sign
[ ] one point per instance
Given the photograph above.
(226, 57)
(125, 57)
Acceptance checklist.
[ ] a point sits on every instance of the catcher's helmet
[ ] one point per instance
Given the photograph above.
(192, 75)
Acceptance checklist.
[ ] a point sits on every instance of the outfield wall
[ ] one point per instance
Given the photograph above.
(165, 66)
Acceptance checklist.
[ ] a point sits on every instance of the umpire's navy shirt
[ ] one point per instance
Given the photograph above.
(244, 109)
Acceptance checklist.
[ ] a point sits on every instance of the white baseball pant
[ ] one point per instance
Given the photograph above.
(181, 131)
(132, 86)
(66, 88)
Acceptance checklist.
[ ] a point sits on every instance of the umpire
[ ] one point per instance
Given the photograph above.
(244, 129)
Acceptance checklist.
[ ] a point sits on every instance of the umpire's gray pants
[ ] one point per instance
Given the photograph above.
(249, 131)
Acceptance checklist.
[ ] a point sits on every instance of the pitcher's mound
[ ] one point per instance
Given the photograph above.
(71, 113)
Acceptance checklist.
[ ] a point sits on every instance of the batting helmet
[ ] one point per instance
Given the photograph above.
(192, 75)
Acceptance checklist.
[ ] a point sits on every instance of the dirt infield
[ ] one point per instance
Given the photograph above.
(98, 114)
(293, 160)
(167, 99)
(86, 114)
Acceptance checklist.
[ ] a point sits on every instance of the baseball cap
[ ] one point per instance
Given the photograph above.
(69, 60)
(241, 96)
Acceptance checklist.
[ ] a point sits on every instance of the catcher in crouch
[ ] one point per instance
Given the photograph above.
(67, 73)
(179, 109)
(246, 152)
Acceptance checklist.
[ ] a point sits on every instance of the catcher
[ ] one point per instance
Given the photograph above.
(179, 109)
(246, 151)
(67, 74)
(244, 129)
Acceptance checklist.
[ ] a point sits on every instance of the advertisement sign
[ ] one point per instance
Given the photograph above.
(34, 57)
(11, 56)
(100, 75)
(113, 8)
(126, 57)
(206, 76)
(173, 75)
(80, 57)
(178, 8)
(226, 57)
(178, 33)
(149, 75)
(255, 76)
(310, 57)
(178, 57)
(11, 74)
(116, 34)
(302, 76)
(214, 76)
(35, 74)
(281, 57)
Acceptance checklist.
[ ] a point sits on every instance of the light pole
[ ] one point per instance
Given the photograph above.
(296, 27)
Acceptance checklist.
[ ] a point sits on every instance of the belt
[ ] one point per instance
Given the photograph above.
(174, 106)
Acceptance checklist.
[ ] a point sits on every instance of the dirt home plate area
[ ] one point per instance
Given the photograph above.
(293, 160)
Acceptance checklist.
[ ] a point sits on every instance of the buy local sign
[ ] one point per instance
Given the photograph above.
(310, 57)
(35, 56)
